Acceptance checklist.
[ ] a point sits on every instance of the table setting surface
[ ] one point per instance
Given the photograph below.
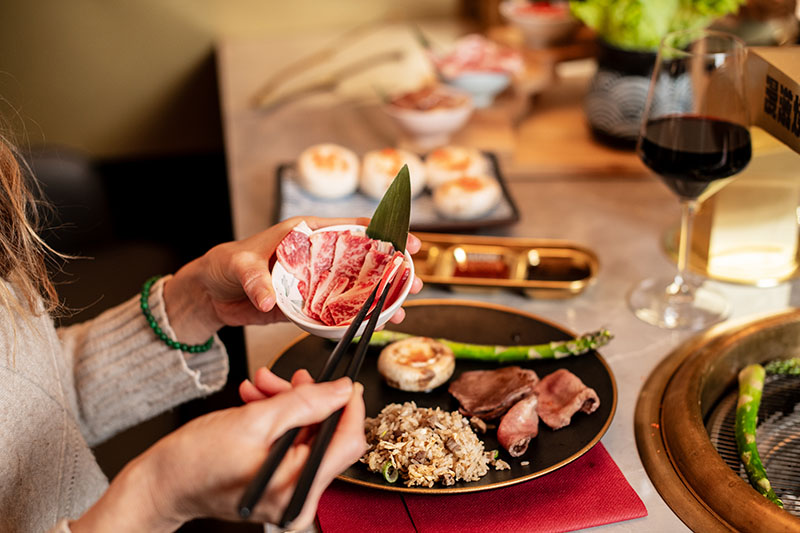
(622, 217)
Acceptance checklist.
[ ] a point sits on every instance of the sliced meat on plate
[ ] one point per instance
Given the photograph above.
(488, 394)
(561, 395)
(519, 425)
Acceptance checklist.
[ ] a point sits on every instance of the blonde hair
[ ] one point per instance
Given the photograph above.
(23, 253)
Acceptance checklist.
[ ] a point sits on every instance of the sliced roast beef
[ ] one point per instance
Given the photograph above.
(488, 394)
(561, 395)
(518, 426)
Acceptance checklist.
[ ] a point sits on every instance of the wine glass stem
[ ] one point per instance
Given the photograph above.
(679, 284)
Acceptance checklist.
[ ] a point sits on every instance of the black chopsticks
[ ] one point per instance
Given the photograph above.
(256, 488)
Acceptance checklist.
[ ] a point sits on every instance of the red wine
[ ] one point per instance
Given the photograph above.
(688, 152)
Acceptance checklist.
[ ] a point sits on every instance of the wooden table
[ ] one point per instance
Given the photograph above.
(566, 186)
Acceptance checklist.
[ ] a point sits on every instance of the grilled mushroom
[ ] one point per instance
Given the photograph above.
(416, 364)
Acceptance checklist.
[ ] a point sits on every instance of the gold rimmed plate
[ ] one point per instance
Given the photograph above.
(475, 322)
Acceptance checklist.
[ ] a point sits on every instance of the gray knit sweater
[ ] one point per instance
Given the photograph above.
(64, 390)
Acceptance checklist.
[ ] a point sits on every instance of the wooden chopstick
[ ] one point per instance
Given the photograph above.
(256, 487)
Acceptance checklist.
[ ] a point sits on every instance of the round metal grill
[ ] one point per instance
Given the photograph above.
(777, 436)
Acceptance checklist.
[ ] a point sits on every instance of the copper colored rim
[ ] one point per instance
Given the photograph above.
(673, 442)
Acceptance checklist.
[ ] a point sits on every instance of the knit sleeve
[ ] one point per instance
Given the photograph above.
(61, 527)
(124, 374)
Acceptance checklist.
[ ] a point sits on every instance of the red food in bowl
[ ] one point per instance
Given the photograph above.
(430, 97)
(336, 269)
(476, 53)
(541, 9)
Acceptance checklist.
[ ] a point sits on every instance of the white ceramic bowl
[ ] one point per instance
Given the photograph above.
(290, 302)
(483, 86)
(540, 29)
(433, 127)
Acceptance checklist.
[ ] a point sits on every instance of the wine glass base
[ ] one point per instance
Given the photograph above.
(652, 302)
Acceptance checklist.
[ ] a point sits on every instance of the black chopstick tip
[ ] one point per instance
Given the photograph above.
(245, 512)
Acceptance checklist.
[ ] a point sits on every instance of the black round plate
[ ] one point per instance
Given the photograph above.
(475, 322)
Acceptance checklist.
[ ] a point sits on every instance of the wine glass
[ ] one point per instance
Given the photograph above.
(694, 135)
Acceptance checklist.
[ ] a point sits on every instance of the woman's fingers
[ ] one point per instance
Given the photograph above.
(251, 266)
(319, 222)
(265, 384)
(301, 376)
(413, 244)
(314, 403)
(236, 275)
(252, 271)
(349, 441)
(250, 430)
(303, 405)
(416, 285)
(346, 447)
(249, 393)
(269, 383)
(398, 317)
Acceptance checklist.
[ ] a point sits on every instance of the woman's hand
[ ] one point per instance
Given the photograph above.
(265, 384)
(231, 284)
(203, 468)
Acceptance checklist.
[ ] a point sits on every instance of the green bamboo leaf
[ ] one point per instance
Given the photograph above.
(391, 218)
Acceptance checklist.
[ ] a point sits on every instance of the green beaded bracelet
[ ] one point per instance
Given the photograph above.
(175, 345)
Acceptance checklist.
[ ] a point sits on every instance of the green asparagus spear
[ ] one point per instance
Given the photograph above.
(784, 366)
(751, 383)
(502, 354)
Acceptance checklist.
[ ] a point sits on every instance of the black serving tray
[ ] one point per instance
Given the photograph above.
(292, 200)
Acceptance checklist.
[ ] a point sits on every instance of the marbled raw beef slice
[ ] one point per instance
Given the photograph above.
(349, 254)
(323, 245)
(340, 309)
(294, 254)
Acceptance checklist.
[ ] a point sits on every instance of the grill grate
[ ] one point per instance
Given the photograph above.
(777, 437)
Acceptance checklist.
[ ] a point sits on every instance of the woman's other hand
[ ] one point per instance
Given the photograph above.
(203, 468)
(231, 284)
(265, 384)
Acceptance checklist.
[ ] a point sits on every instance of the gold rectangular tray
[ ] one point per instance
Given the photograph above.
(539, 268)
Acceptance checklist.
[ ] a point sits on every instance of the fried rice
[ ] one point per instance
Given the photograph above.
(426, 446)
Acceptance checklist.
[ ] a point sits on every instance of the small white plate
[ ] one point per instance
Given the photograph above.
(291, 303)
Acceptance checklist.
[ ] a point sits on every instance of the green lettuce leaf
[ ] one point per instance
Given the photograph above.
(641, 24)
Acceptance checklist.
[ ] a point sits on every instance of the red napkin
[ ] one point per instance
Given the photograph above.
(590, 491)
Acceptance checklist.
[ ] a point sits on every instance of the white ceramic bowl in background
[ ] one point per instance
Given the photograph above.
(541, 28)
(290, 302)
(431, 128)
(483, 86)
